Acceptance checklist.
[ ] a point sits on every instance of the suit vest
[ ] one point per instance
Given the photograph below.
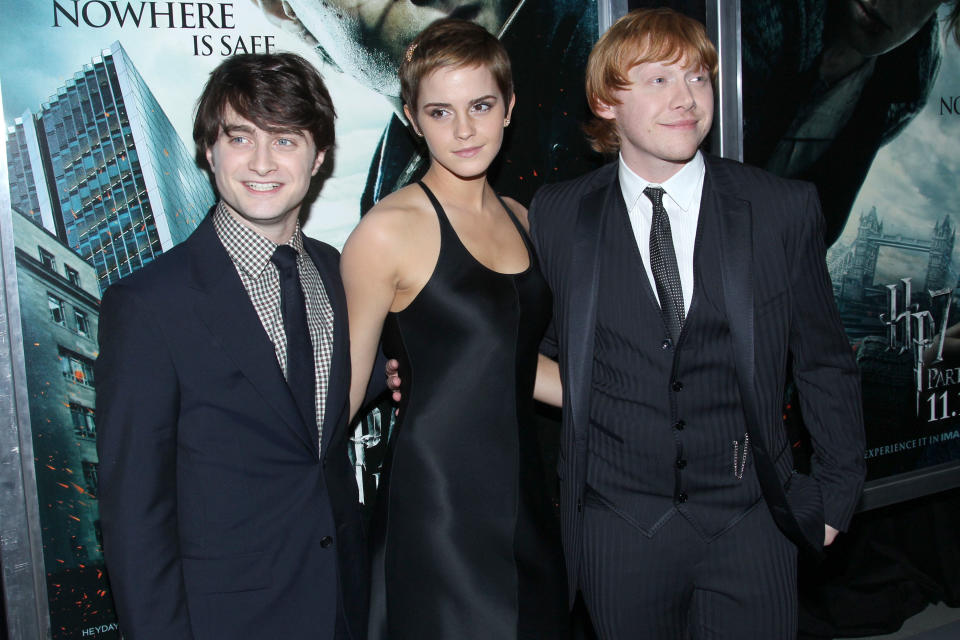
(667, 429)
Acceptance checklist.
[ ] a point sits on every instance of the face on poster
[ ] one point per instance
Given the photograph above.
(864, 106)
(367, 39)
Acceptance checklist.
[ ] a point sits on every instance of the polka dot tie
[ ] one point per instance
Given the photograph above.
(663, 262)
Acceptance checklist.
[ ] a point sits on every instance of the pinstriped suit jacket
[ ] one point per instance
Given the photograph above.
(779, 303)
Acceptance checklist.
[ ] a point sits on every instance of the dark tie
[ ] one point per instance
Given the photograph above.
(300, 372)
(663, 263)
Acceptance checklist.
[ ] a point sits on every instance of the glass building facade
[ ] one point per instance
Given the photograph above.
(59, 309)
(120, 185)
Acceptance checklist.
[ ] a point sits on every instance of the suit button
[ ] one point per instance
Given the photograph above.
(681, 463)
(677, 385)
(666, 344)
(579, 506)
(679, 425)
(326, 541)
(682, 497)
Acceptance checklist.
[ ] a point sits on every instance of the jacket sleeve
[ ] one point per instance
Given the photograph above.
(824, 369)
(549, 346)
(137, 412)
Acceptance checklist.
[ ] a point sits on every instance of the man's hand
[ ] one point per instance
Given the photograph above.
(393, 378)
(829, 535)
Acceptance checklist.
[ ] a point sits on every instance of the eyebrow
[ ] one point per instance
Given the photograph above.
(231, 128)
(472, 102)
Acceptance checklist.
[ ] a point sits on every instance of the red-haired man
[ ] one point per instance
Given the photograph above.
(684, 285)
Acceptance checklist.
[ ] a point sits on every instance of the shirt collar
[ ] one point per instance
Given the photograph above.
(247, 248)
(680, 188)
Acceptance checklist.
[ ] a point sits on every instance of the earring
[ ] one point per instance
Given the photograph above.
(506, 122)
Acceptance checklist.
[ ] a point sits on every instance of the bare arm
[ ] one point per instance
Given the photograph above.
(369, 270)
(548, 388)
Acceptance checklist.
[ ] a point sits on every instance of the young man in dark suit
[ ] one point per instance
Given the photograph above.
(228, 504)
(684, 286)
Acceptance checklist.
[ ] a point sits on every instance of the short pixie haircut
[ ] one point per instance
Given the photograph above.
(643, 35)
(450, 42)
(276, 92)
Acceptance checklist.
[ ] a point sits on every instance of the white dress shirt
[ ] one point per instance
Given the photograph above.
(682, 194)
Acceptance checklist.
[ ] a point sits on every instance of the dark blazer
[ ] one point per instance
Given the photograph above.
(779, 302)
(220, 518)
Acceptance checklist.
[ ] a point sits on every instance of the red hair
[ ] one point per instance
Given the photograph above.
(643, 35)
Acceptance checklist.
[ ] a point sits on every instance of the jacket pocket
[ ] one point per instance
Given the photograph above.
(227, 574)
(806, 502)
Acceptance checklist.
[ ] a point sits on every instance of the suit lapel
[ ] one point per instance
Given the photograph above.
(338, 377)
(225, 308)
(735, 224)
(735, 218)
(583, 290)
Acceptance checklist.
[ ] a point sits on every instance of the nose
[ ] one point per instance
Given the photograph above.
(261, 161)
(683, 97)
(463, 128)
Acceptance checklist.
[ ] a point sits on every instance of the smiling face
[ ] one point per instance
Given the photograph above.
(367, 38)
(263, 176)
(662, 117)
(874, 27)
(461, 115)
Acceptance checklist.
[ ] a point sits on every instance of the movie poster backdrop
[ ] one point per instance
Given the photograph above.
(98, 99)
(862, 99)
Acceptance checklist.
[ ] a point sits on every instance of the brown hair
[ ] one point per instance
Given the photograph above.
(450, 42)
(643, 35)
(276, 92)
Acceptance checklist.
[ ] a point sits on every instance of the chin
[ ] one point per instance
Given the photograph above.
(682, 155)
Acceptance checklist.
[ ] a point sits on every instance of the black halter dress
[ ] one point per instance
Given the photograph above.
(465, 543)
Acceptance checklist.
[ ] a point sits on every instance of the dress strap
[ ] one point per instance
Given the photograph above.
(444, 222)
(516, 223)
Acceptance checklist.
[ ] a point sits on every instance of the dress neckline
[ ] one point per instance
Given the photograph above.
(441, 214)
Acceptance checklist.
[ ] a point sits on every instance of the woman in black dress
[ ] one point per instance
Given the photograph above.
(465, 544)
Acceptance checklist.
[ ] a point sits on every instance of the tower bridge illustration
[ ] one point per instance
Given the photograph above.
(854, 275)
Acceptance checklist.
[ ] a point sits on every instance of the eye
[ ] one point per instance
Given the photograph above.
(698, 79)
(437, 113)
(237, 139)
(658, 80)
(482, 107)
(285, 142)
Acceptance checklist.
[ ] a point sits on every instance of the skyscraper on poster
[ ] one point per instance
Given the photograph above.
(100, 185)
(101, 167)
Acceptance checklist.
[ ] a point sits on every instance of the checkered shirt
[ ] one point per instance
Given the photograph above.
(250, 253)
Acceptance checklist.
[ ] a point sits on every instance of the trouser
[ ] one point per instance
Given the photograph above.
(741, 585)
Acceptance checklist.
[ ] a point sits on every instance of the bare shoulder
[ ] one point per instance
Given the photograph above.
(400, 216)
(518, 210)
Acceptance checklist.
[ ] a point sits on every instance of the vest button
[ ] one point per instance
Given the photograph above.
(666, 344)
(326, 541)
(679, 425)
(677, 385)
(681, 463)
(682, 497)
